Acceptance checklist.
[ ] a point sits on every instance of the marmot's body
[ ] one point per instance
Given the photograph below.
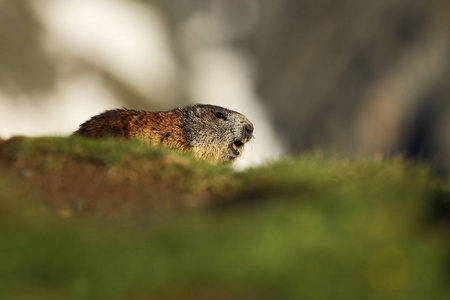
(212, 133)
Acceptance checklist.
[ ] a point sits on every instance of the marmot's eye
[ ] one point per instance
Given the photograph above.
(220, 115)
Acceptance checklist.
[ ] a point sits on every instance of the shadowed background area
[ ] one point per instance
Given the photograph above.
(366, 77)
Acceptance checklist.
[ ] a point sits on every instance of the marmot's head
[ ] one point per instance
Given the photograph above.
(216, 134)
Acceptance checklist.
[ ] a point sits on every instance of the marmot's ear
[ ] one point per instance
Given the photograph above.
(198, 112)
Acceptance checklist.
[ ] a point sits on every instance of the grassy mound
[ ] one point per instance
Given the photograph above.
(80, 176)
(82, 219)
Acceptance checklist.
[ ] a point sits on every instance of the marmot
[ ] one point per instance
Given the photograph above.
(212, 133)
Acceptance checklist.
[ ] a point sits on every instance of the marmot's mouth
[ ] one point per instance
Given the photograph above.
(235, 147)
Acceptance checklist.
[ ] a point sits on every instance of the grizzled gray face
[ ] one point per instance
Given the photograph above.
(239, 126)
(224, 131)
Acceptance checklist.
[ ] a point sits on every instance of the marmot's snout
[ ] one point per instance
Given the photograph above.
(245, 136)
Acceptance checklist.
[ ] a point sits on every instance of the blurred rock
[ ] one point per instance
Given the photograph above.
(365, 77)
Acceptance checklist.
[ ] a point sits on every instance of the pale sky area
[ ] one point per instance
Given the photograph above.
(129, 40)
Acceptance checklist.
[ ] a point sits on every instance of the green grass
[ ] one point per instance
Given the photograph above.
(107, 152)
(312, 227)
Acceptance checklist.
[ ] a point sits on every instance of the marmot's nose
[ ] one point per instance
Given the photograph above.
(249, 128)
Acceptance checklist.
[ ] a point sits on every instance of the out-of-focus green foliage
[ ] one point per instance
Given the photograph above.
(313, 227)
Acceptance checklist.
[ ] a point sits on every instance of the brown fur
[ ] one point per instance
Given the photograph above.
(195, 128)
(152, 127)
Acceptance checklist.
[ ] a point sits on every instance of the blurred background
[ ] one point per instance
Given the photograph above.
(360, 77)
